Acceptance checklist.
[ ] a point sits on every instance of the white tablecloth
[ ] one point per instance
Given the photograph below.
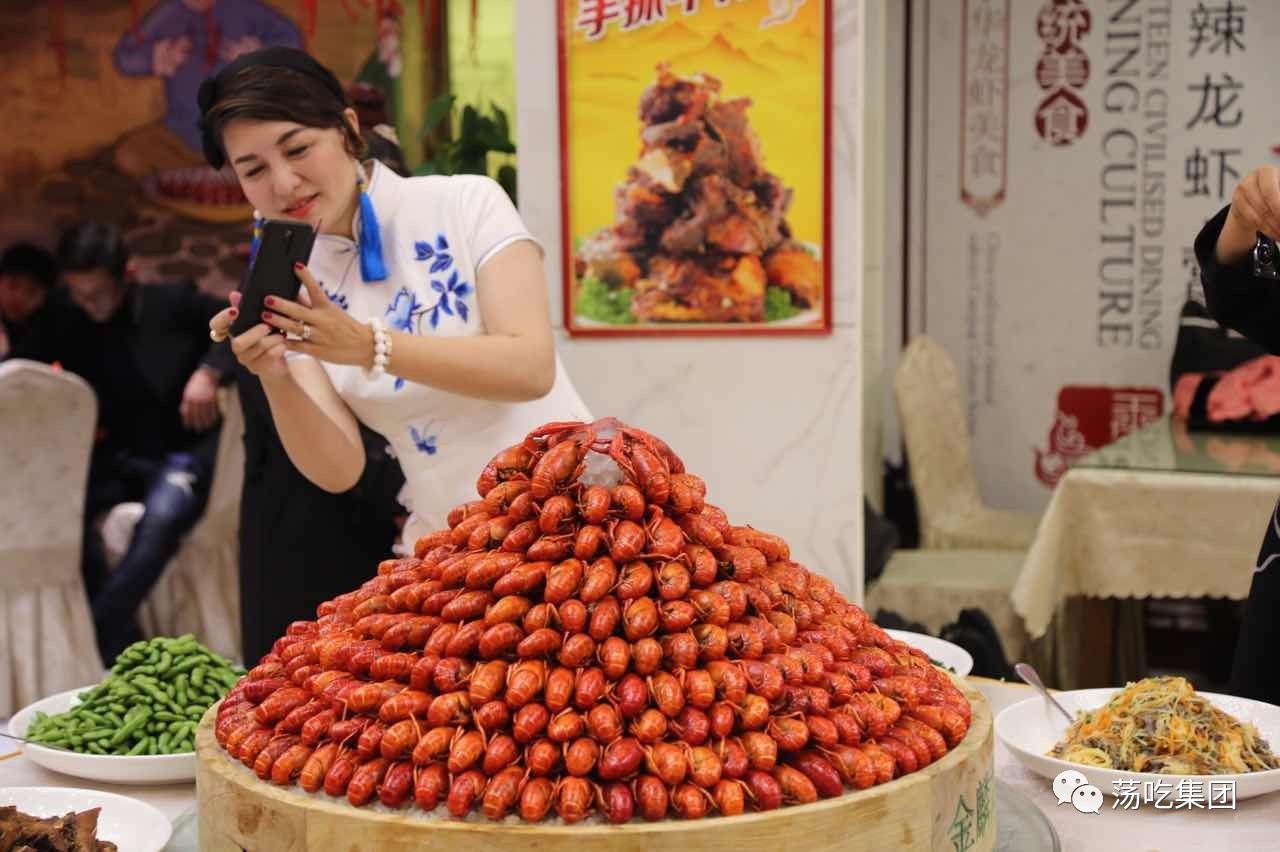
(1144, 533)
(1254, 824)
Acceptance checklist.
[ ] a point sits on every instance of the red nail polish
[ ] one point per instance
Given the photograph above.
(235, 311)
(298, 266)
(269, 301)
(266, 315)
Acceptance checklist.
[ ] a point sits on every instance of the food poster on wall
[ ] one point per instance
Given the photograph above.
(1071, 151)
(695, 145)
(102, 100)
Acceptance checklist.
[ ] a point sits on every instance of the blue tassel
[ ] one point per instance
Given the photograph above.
(372, 267)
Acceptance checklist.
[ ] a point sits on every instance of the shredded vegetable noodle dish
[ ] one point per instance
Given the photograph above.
(1160, 725)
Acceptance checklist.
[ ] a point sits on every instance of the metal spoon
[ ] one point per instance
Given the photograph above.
(1032, 678)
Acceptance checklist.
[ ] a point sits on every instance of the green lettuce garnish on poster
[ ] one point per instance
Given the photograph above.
(778, 305)
(600, 302)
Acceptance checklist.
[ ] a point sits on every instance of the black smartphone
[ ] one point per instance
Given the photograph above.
(283, 244)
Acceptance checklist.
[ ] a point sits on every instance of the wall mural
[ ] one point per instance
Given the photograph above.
(102, 99)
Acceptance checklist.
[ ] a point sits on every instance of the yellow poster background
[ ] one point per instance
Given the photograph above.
(780, 68)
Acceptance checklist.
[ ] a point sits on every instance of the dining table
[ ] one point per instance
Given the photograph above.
(1028, 815)
(1163, 512)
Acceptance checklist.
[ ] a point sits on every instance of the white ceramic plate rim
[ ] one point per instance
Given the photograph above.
(941, 650)
(1265, 717)
(56, 801)
(138, 769)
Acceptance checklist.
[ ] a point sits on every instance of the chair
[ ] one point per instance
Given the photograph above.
(47, 642)
(936, 434)
(199, 591)
(932, 586)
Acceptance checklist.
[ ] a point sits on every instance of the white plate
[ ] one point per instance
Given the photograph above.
(947, 653)
(1032, 727)
(154, 769)
(129, 824)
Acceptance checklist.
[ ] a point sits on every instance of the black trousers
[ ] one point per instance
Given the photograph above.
(301, 546)
(1255, 672)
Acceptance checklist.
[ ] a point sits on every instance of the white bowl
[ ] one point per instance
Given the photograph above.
(1032, 727)
(939, 650)
(129, 824)
(153, 769)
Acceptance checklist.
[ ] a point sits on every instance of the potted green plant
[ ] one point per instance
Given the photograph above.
(468, 141)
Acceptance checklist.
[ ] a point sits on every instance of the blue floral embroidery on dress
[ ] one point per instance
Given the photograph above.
(404, 311)
(439, 256)
(337, 298)
(452, 293)
(426, 443)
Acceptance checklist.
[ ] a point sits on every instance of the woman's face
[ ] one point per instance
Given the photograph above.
(292, 171)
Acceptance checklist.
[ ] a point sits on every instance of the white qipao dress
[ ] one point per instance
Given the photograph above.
(437, 232)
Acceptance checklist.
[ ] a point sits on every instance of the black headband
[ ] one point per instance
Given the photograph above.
(212, 88)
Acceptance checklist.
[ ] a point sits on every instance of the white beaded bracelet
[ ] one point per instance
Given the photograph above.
(381, 350)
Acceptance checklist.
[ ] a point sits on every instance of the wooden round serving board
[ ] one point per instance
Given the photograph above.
(949, 805)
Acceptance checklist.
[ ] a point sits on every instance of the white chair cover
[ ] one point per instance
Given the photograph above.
(199, 591)
(936, 434)
(47, 643)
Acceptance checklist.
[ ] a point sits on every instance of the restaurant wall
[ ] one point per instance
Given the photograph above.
(1065, 155)
(772, 423)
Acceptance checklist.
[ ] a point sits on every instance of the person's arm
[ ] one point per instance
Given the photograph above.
(198, 308)
(514, 360)
(320, 434)
(199, 405)
(1236, 297)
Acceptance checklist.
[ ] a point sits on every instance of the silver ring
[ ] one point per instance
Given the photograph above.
(306, 331)
(217, 336)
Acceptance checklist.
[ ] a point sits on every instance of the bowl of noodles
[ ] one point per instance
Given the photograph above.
(1156, 731)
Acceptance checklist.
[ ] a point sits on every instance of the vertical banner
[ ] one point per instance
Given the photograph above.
(1072, 149)
(695, 153)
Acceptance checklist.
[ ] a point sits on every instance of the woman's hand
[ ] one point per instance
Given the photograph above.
(1255, 207)
(259, 349)
(324, 330)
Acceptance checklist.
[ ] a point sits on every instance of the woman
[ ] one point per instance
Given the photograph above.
(1239, 272)
(301, 545)
(423, 312)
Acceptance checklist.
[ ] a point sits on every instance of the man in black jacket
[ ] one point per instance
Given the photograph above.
(36, 317)
(155, 373)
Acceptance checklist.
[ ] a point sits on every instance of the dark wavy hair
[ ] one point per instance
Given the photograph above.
(93, 245)
(32, 262)
(272, 93)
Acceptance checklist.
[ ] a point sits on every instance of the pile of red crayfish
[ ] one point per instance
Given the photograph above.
(623, 650)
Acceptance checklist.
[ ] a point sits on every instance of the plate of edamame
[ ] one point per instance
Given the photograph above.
(137, 726)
